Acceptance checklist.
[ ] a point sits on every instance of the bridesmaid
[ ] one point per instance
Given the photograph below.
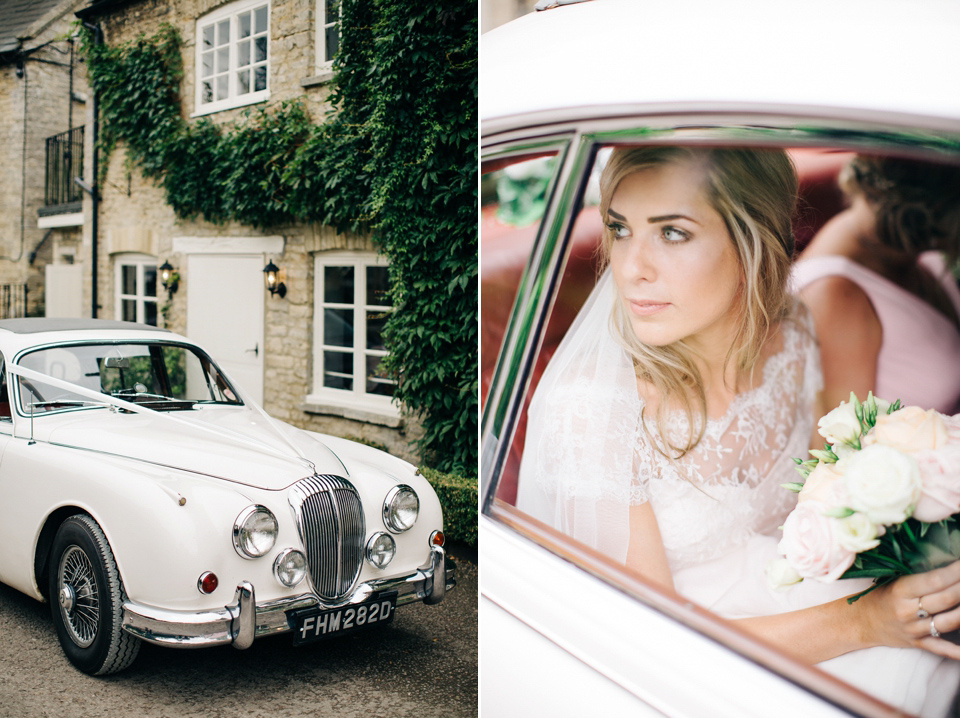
(877, 280)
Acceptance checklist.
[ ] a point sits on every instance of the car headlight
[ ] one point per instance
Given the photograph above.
(381, 548)
(254, 531)
(290, 567)
(400, 509)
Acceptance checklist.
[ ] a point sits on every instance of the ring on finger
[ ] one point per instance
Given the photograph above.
(921, 611)
(933, 629)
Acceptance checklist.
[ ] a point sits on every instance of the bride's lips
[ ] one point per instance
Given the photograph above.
(646, 307)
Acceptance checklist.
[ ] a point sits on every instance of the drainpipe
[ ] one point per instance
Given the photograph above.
(95, 195)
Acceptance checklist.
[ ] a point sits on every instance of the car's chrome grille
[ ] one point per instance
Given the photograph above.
(330, 521)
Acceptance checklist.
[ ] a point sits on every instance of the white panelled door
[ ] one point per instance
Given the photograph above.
(225, 314)
(63, 284)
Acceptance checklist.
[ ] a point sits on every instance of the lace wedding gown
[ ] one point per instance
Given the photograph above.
(589, 457)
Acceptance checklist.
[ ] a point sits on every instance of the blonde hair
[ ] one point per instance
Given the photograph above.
(754, 191)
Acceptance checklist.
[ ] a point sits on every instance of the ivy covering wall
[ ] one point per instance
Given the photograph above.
(397, 157)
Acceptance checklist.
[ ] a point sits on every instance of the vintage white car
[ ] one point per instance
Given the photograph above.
(565, 631)
(147, 498)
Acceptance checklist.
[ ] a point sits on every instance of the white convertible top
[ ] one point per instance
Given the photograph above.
(42, 324)
(858, 59)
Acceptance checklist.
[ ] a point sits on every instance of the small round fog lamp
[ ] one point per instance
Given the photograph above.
(290, 567)
(381, 548)
(437, 538)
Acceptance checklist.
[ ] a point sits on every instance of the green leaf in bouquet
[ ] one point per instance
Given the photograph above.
(793, 486)
(897, 551)
(857, 406)
(877, 583)
(838, 512)
(825, 455)
(895, 406)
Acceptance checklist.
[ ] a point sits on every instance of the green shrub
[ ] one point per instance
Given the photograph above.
(458, 498)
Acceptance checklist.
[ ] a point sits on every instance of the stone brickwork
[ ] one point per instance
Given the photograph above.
(36, 104)
(134, 217)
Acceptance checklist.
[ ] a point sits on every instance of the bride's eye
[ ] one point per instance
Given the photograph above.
(674, 234)
(618, 230)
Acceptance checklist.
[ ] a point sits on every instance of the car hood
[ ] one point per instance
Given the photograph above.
(232, 443)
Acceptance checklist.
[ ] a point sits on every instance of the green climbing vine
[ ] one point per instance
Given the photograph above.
(397, 156)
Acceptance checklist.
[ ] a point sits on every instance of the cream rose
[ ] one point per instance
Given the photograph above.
(857, 533)
(824, 485)
(780, 574)
(940, 480)
(811, 546)
(909, 429)
(840, 425)
(883, 483)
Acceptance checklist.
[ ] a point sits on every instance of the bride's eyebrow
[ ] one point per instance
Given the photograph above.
(616, 215)
(670, 218)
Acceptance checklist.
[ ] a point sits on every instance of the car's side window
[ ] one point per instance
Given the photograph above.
(513, 198)
(5, 413)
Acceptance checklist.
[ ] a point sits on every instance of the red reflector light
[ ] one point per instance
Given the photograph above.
(436, 538)
(208, 582)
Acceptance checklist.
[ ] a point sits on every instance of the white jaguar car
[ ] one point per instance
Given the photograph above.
(147, 499)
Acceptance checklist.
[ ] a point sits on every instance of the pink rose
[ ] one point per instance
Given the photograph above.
(940, 482)
(811, 543)
(909, 429)
(824, 485)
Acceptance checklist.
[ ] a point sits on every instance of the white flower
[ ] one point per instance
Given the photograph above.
(780, 574)
(857, 533)
(840, 425)
(810, 543)
(882, 483)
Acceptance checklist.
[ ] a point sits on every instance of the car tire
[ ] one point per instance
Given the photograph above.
(86, 599)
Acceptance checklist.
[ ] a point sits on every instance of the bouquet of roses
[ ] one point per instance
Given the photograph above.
(881, 500)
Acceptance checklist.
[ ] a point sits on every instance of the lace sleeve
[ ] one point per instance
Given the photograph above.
(579, 469)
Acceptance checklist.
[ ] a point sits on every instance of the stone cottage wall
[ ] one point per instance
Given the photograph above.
(134, 217)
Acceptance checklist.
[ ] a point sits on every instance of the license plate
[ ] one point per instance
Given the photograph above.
(313, 625)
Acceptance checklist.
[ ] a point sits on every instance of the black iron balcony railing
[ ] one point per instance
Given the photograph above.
(64, 162)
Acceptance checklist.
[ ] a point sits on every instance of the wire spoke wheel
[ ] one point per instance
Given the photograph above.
(86, 599)
(79, 596)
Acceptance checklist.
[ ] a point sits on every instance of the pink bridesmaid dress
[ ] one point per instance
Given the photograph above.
(919, 360)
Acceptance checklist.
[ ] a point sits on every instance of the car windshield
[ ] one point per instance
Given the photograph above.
(162, 376)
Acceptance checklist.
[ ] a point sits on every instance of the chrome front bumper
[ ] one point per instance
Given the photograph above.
(244, 620)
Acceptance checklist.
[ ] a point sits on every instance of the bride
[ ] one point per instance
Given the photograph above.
(665, 424)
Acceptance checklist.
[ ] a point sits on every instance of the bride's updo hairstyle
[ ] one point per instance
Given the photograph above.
(755, 192)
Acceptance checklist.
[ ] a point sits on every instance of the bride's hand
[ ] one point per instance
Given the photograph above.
(912, 610)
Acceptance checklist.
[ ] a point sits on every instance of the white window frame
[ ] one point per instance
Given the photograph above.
(323, 65)
(357, 398)
(231, 13)
(139, 262)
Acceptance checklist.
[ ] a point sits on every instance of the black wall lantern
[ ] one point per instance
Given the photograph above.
(169, 278)
(271, 275)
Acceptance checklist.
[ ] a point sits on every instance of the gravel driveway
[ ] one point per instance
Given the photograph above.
(423, 665)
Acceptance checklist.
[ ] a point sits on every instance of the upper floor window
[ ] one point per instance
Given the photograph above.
(233, 56)
(351, 308)
(137, 289)
(328, 33)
